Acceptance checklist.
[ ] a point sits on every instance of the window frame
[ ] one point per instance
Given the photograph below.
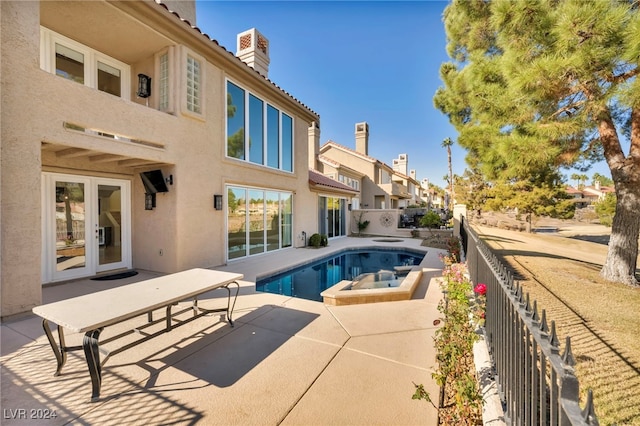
(186, 54)
(171, 80)
(48, 41)
(285, 201)
(266, 105)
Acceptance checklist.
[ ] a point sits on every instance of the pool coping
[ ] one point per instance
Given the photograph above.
(333, 252)
(337, 295)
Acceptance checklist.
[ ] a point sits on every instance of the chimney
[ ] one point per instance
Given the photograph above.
(253, 50)
(412, 174)
(362, 138)
(400, 164)
(314, 145)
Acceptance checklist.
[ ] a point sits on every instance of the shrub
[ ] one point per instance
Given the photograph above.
(315, 240)
(324, 241)
(430, 220)
(606, 209)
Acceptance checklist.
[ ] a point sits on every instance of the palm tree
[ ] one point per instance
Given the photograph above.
(583, 179)
(447, 144)
(576, 177)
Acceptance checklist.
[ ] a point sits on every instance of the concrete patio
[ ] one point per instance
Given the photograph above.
(287, 361)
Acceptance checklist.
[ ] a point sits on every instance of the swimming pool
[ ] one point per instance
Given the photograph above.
(309, 280)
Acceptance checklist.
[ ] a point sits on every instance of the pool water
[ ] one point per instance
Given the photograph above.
(309, 280)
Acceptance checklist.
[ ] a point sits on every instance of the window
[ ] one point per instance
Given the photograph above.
(74, 61)
(69, 64)
(269, 137)
(273, 137)
(235, 121)
(163, 82)
(258, 221)
(194, 82)
(256, 130)
(109, 79)
(287, 143)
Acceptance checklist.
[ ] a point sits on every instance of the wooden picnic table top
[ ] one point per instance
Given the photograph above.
(107, 307)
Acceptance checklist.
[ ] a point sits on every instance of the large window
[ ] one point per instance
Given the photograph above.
(268, 140)
(257, 221)
(74, 61)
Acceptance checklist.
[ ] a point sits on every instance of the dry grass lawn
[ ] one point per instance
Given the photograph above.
(601, 318)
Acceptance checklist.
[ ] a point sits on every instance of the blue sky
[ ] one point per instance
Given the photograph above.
(354, 61)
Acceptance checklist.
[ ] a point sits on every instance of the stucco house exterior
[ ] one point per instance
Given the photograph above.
(130, 139)
(589, 195)
(381, 186)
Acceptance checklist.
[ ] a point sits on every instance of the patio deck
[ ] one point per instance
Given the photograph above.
(287, 361)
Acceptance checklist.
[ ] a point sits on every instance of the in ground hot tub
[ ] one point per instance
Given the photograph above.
(380, 279)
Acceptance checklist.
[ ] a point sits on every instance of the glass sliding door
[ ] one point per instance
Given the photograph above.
(273, 217)
(331, 216)
(286, 223)
(236, 222)
(86, 226)
(258, 221)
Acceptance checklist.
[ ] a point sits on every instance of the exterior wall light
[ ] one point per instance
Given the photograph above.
(217, 202)
(144, 86)
(149, 201)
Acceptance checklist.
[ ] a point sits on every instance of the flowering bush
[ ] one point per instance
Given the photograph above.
(480, 303)
(480, 289)
(455, 373)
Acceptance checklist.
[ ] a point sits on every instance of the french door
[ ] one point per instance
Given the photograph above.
(86, 226)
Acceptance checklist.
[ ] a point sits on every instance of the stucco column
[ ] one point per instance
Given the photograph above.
(20, 161)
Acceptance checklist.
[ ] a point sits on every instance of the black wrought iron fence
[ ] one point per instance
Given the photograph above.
(536, 382)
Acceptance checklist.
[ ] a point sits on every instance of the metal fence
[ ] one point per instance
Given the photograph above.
(536, 382)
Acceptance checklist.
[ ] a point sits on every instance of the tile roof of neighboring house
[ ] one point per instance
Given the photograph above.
(337, 165)
(159, 2)
(572, 191)
(333, 144)
(318, 179)
(601, 191)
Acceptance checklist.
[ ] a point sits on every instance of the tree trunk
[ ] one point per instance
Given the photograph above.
(622, 255)
(621, 262)
(451, 194)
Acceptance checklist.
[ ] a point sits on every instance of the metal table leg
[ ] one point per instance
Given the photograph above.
(230, 307)
(59, 351)
(92, 353)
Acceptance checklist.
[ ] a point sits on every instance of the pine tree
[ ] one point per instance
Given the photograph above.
(538, 85)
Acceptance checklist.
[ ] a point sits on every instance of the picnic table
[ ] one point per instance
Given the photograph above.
(91, 313)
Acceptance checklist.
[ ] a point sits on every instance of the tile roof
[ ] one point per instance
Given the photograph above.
(330, 143)
(193, 27)
(318, 179)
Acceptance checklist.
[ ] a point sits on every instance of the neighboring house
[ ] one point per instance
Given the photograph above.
(380, 186)
(589, 195)
(132, 140)
(334, 203)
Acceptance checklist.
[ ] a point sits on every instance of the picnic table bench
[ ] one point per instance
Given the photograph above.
(91, 313)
